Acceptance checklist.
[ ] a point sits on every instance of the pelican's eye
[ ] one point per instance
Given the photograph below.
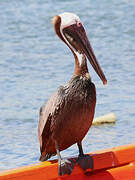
(79, 24)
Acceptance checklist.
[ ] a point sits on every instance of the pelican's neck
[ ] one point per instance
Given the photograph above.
(81, 68)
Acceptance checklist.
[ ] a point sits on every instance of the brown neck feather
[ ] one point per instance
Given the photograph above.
(57, 22)
(81, 70)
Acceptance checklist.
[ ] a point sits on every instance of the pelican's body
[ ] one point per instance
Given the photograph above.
(68, 114)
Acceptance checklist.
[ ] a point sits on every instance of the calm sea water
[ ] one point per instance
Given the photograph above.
(29, 54)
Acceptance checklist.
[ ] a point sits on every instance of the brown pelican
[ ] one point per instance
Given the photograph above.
(67, 116)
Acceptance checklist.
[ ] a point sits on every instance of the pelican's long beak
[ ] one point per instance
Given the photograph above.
(77, 38)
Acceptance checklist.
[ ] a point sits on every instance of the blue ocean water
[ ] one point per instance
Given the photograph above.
(34, 63)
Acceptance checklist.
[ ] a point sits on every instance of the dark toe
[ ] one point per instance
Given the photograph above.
(85, 162)
(66, 166)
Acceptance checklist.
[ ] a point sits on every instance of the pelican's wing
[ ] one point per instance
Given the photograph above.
(48, 113)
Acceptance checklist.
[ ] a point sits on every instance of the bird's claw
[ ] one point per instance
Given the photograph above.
(66, 166)
(85, 162)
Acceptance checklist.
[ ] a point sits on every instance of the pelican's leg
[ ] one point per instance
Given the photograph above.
(65, 166)
(84, 161)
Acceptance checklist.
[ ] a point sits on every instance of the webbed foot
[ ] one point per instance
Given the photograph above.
(85, 161)
(65, 166)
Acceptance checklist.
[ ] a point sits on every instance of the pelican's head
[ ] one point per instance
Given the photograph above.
(69, 28)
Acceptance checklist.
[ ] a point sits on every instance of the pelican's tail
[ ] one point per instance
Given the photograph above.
(46, 157)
